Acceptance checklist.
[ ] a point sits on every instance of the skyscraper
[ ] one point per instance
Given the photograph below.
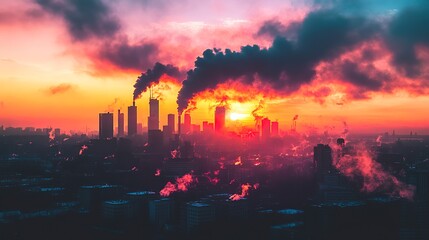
(153, 119)
(265, 129)
(322, 158)
(105, 125)
(275, 128)
(120, 124)
(132, 120)
(187, 124)
(171, 124)
(219, 119)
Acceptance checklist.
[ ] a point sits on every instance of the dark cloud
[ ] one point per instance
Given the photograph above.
(60, 89)
(366, 78)
(153, 76)
(124, 55)
(408, 29)
(272, 28)
(286, 65)
(84, 18)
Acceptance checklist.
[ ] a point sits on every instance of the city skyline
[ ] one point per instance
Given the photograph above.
(217, 119)
(80, 69)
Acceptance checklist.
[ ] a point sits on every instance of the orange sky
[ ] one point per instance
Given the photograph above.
(49, 79)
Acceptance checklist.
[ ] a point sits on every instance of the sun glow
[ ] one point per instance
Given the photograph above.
(234, 116)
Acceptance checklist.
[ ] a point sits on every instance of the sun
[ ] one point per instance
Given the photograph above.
(234, 116)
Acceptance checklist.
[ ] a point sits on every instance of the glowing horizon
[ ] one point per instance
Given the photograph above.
(66, 73)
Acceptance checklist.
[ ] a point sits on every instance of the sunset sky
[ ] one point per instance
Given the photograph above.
(329, 61)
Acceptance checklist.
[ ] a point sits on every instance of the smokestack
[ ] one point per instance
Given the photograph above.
(134, 102)
(179, 122)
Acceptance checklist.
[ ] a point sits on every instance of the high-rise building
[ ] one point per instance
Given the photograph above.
(160, 211)
(206, 127)
(155, 140)
(219, 119)
(322, 158)
(120, 124)
(132, 120)
(199, 213)
(265, 128)
(275, 129)
(171, 124)
(153, 118)
(105, 125)
(187, 124)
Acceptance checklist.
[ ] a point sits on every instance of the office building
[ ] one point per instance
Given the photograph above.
(171, 123)
(199, 213)
(155, 140)
(160, 211)
(117, 210)
(105, 125)
(132, 120)
(139, 202)
(153, 118)
(275, 129)
(120, 124)
(265, 128)
(322, 159)
(186, 127)
(219, 119)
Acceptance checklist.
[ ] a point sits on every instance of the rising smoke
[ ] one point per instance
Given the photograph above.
(286, 65)
(152, 77)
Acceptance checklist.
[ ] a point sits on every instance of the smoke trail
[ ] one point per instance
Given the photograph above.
(182, 184)
(84, 18)
(153, 76)
(286, 65)
(256, 115)
(375, 178)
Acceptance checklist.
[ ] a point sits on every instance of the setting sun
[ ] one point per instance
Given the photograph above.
(237, 116)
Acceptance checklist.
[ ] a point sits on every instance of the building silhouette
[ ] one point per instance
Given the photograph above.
(186, 123)
(105, 125)
(219, 124)
(153, 118)
(120, 124)
(265, 128)
(275, 129)
(322, 158)
(132, 120)
(171, 124)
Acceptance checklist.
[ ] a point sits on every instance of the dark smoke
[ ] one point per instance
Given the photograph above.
(408, 29)
(368, 78)
(152, 77)
(286, 65)
(128, 56)
(272, 28)
(84, 18)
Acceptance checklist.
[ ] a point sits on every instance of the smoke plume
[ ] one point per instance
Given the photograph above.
(153, 76)
(374, 177)
(182, 184)
(84, 18)
(286, 65)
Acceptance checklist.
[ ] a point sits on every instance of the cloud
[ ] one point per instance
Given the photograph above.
(60, 89)
(125, 55)
(85, 19)
(406, 32)
(286, 65)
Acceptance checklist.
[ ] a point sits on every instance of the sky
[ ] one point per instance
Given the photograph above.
(330, 62)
